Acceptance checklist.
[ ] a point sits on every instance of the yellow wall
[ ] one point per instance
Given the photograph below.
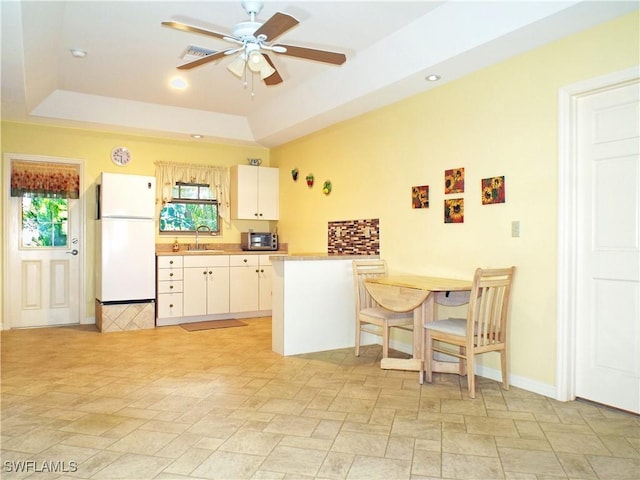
(95, 149)
(499, 121)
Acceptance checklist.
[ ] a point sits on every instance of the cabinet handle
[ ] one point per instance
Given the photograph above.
(170, 262)
(204, 273)
(210, 272)
(245, 260)
(171, 274)
(259, 214)
(170, 287)
(257, 271)
(171, 305)
(261, 271)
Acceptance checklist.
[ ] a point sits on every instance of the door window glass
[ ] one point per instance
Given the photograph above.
(45, 222)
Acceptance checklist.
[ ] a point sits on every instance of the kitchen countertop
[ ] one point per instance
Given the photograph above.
(211, 251)
(320, 256)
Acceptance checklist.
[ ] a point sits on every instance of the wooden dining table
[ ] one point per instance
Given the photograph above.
(405, 293)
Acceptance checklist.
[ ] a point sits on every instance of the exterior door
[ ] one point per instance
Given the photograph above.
(44, 258)
(608, 240)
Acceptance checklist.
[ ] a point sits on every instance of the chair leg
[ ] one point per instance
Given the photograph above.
(385, 341)
(427, 352)
(471, 376)
(505, 369)
(358, 333)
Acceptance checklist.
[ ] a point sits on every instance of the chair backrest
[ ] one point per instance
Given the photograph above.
(363, 269)
(489, 306)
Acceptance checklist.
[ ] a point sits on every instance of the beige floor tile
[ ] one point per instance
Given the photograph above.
(379, 468)
(144, 466)
(143, 442)
(221, 404)
(470, 467)
(360, 443)
(251, 442)
(228, 465)
(530, 461)
(294, 461)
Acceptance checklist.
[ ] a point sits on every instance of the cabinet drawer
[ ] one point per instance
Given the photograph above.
(206, 261)
(170, 287)
(243, 260)
(169, 305)
(165, 274)
(173, 261)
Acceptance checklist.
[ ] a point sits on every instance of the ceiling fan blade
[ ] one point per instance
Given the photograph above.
(312, 54)
(276, 26)
(206, 59)
(188, 28)
(275, 77)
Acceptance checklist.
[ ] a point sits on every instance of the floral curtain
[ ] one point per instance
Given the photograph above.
(53, 180)
(217, 177)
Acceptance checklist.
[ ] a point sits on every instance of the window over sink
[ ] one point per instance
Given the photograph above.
(192, 205)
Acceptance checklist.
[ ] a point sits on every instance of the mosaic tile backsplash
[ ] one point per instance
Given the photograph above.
(354, 237)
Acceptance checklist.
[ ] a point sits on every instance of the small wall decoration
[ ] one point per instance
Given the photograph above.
(326, 188)
(310, 180)
(454, 180)
(493, 190)
(420, 196)
(294, 174)
(454, 210)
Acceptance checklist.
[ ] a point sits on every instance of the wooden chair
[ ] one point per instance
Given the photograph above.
(484, 329)
(368, 312)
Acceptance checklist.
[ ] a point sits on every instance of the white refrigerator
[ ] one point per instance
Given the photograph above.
(125, 235)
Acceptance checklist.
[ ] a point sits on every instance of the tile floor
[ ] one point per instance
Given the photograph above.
(219, 404)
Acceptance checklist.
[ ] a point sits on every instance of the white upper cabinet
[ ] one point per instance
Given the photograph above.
(254, 192)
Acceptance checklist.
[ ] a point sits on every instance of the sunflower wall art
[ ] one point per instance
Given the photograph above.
(420, 196)
(454, 181)
(454, 210)
(493, 190)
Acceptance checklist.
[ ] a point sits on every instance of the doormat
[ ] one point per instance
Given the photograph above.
(211, 324)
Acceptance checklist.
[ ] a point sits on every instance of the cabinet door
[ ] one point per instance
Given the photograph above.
(265, 287)
(268, 193)
(195, 291)
(169, 305)
(217, 290)
(244, 288)
(244, 192)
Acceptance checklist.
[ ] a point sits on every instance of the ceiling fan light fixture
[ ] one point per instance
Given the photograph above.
(258, 64)
(237, 66)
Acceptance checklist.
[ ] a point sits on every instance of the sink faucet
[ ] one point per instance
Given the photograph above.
(198, 228)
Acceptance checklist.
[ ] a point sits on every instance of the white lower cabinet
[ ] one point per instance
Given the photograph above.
(169, 302)
(213, 287)
(244, 279)
(206, 285)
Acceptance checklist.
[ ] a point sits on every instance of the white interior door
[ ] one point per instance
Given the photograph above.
(43, 282)
(608, 289)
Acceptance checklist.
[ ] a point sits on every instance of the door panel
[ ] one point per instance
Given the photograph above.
(44, 282)
(608, 288)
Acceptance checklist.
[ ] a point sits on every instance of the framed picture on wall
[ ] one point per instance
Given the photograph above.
(454, 181)
(420, 196)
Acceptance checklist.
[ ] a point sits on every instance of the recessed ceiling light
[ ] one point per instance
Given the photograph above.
(432, 78)
(197, 136)
(179, 83)
(77, 53)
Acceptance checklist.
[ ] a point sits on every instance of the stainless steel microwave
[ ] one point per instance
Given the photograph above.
(259, 241)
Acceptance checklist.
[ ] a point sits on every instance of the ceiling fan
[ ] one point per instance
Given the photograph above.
(254, 39)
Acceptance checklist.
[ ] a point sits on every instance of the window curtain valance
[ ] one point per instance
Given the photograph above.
(41, 179)
(217, 177)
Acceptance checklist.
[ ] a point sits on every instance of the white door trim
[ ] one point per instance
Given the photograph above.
(5, 322)
(567, 223)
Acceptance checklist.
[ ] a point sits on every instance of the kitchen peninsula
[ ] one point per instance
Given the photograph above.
(313, 304)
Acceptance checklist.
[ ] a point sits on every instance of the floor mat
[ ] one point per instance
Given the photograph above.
(211, 324)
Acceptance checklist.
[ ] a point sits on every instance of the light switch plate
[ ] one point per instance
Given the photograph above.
(515, 228)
